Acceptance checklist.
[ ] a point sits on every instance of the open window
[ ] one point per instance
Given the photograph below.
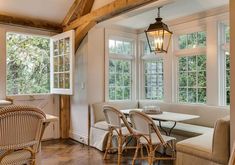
(39, 64)
(62, 54)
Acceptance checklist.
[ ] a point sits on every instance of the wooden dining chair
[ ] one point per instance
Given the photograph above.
(118, 126)
(20, 134)
(151, 138)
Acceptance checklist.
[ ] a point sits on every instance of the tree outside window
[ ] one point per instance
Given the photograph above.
(28, 64)
(192, 79)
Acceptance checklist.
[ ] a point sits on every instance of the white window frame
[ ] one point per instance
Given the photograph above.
(39, 33)
(123, 36)
(223, 47)
(147, 57)
(185, 53)
(3, 32)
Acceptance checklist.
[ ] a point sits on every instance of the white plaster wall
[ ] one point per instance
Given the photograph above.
(89, 82)
(79, 106)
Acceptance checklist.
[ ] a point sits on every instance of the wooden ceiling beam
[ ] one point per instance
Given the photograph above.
(81, 32)
(108, 11)
(78, 9)
(39, 24)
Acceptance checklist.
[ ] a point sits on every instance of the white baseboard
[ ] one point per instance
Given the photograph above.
(78, 137)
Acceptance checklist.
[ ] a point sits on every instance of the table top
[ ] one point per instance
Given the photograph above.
(51, 118)
(166, 116)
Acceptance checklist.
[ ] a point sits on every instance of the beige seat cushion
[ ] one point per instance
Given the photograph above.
(101, 125)
(200, 146)
(20, 156)
(104, 126)
(187, 130)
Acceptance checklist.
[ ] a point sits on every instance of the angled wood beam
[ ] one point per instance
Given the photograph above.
(108, 11)
(81, 32)
(39, 24)
(78, 9)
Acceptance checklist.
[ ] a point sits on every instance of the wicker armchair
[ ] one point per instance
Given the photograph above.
(21, 130)
(150, 137)
(118, 125)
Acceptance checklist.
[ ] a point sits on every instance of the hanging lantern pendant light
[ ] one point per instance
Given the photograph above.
(158, 36)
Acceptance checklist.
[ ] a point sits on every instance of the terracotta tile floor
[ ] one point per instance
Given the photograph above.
(69, 152)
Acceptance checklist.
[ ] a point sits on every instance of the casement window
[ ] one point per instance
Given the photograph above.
(121, 56)
(38, 64)
(191, 67)
(153, 79)
(225, 63)
(153, 82)
(192, 79)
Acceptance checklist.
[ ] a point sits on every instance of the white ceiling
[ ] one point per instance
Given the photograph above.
(50, 10)
(174, 9)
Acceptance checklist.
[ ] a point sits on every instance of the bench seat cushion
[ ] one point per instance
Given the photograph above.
(101, 125)
(186, 130)
(200, 146)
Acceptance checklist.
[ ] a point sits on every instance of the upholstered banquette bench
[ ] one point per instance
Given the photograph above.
(211, 148)
(187, 129)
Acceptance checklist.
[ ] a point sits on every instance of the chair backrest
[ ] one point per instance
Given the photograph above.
(20, 126)
(143, 124)
(115, 118)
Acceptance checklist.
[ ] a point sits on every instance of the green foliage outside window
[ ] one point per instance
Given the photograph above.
(192, 79)
(28, 64)
(119, 79)
(228, 79)
(153, 78)
(120, 47)
(192, 40)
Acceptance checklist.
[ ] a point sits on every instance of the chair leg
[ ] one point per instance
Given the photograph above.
(136, 152)
(119, 149)
(108, 144)
(142, 152)
(150, 155)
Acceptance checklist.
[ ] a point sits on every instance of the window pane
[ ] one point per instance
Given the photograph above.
(201, 62)
(227, 61)
(28, 64)
(192, 79)
(228, 96)
(202, 79)
(182, 41)
(192, 63)
(153, 79)
(120, 47)
(201, 39)
(192, 40)
(202, 95)
(119, 79)
(183, 95)
(227, 78)
(112, 67)
(112, 93)
(192, 95)
(183, 63)
(183, 79)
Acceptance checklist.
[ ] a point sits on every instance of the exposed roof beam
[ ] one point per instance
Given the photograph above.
(78, 9)
(81, 32)
(108, 11)
(39, 24)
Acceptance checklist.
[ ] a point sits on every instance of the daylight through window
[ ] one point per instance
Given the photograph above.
(28, 64)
